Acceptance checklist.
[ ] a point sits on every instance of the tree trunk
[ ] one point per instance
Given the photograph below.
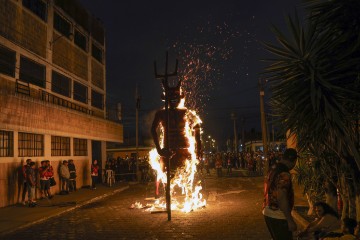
(331, 195)
(344, 193)
(311, 205)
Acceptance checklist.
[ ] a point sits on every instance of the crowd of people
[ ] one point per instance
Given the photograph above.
(42, 178)
(251, 161)
(125, 169)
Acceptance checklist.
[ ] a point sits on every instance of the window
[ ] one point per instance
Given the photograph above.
(31, 145)
(97, 99)
(61, 84)
(32, 72)
(80, 147)
(80, 92)
(60, 146)
(36, 6)
(6, 144)
(96, 53)
(7, 61)
(80, 40)
(61, 25)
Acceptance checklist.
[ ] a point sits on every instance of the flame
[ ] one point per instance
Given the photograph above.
(190, 196)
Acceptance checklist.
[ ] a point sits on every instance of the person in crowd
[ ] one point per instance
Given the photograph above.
(72, 180)
(207, 165)
(65, 176)
(31, 183)
(94, 174)
(229, 164)
(218, 165)
(50, 174)
(279, 198)
(327, 221)
(25, 188)
(45, 174)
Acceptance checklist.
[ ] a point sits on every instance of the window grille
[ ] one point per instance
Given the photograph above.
(80, 147)
(6, 144)
(31, 145)
(60, 146)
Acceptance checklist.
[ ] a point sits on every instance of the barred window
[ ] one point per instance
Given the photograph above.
(60, 84)
(97, 53)
(38, 7)
(60, 146)
(80, 147)
(80, 92)
(7, 61)
(6, 144)
(80, 40)
(32, 72)
(62, 25)
(97, 99)
(31, 145)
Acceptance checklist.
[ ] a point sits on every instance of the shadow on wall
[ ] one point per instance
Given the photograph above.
(20, 181)
(86, 173)
(12, 181)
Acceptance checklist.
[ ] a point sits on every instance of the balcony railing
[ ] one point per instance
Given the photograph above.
(24, 89)
(48, 97)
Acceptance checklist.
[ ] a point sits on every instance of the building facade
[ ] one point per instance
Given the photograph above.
(52, 90)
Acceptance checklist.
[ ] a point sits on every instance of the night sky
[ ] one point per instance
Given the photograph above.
(218, 45)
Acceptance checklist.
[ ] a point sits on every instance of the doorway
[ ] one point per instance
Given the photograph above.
(96, 154)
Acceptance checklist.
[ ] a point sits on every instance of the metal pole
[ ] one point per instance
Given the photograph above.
(263, 128)
(233, 117)
(168, 197)
(164, 79)
(137, 99)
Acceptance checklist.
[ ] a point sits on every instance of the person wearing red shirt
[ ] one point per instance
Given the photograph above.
(279, 198)
(94, 174)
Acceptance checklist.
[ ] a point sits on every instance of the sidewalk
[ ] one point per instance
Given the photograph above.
(18, 216)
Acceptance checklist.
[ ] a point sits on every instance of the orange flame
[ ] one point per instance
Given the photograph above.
(190, 197)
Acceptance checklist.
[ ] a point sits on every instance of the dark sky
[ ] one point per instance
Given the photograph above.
(218, 47)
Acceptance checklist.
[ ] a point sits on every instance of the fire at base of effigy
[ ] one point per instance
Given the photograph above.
(185, 187)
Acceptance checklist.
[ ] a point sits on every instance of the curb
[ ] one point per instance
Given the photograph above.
(98, 198)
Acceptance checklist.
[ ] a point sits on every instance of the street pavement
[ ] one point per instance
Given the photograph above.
(233, 211)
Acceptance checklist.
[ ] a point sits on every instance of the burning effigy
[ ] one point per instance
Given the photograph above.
(176, 133)
(180, 128)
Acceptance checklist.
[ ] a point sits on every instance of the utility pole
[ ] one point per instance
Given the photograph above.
(243, 133)
(233, 117)
(164, 79)
(263, 128)
(137, 100)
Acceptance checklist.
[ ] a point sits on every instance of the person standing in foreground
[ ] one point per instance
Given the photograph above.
(94, 174)
(31, 183)
(279, 198)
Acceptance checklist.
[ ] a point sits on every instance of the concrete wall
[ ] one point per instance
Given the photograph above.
(22, 113)
(22, 28)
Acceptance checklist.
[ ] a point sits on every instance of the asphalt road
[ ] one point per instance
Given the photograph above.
(233, 212)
